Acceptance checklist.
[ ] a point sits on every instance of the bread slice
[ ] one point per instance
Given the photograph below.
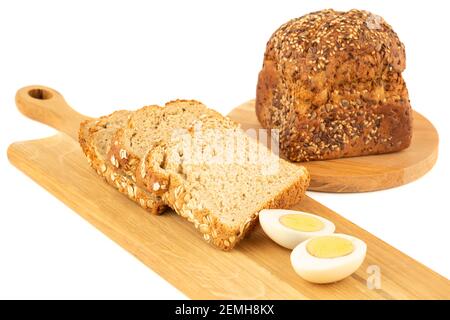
(219, 180)
(95, 139)
(153, 125)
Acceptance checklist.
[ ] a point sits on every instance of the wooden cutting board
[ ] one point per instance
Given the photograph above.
(369, 173)
(256, 269)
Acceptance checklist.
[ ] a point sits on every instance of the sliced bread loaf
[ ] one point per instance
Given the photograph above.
(220, 179)
(153, 125)
(95, 139)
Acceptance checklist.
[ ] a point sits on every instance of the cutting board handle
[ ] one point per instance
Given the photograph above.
(48, 106)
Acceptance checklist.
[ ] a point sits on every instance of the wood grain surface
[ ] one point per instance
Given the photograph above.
(256, 269)
(369, 173)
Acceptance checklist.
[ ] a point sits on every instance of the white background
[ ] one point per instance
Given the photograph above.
(105, 55)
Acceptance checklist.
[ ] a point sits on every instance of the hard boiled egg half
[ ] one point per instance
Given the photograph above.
(328, 258)
(288, 228)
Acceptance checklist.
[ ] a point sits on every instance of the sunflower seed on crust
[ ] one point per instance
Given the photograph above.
(143, 171)
(204, 228)
(114, 161)
(130, 191)
(177, 191)
(123, 154)
(189, 214)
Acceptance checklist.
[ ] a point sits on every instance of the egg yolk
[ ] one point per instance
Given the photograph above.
(301, 222)
(329, 247)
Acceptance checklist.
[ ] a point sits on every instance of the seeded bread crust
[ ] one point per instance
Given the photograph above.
(331, 83)
(206, 222)
(113, 176)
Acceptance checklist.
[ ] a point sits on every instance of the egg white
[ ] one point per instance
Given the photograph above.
(285, 236)
(327, 270)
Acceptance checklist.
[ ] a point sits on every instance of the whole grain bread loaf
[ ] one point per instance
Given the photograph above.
(219, 179)
(95, 138)
(332, 84)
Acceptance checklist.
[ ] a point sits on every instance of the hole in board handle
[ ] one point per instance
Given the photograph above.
(40, 94)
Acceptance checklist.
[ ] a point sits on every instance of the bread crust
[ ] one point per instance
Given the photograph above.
(331, 83)
(112, 175)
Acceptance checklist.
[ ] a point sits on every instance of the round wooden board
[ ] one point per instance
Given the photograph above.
(369, 173)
